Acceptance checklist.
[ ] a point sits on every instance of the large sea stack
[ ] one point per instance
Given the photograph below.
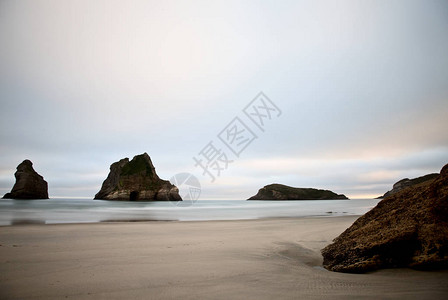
(406, 229)
(29, 184)
(284, 192)
(136, 180)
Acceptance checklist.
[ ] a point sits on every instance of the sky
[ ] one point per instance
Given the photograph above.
(360, 90)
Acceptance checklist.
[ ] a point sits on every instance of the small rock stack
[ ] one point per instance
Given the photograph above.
(29, 184)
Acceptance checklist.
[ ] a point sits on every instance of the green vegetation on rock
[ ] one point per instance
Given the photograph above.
(136, 166)
(136, 180)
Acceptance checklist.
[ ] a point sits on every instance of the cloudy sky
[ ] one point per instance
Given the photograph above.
(362, 87)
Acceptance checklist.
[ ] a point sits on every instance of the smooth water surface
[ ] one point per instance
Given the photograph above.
(59, 210)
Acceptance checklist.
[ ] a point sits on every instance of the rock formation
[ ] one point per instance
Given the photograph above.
(29, 184)
(284, 192)
(406, 182)
(136, 180)
(406, 229)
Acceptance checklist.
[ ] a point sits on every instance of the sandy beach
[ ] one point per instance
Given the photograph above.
(254, 259)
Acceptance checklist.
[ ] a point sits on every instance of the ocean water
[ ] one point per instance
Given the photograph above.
(67, 210)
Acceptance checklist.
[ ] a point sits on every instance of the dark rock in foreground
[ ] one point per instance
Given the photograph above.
(284, 192)
(136, 180)
(406, 183)
(407, 229)
(29, 184)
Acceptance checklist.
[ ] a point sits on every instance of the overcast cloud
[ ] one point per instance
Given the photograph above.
(362, 86)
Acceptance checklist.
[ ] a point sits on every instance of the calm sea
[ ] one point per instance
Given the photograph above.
(65, 210)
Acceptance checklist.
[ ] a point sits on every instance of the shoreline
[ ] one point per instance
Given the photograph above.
(232, 259)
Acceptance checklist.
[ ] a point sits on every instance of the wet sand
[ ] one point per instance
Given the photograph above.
(254, 259)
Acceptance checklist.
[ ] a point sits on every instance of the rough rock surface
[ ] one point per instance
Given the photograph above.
(407, 229)
(284, 192)
(136, 180)
(29, 184)
(406, 182)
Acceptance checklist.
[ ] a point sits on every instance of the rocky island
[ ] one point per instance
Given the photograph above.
(284, 192)
(136, 180)
(406, 182)
(406, 229)
(29, 184)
